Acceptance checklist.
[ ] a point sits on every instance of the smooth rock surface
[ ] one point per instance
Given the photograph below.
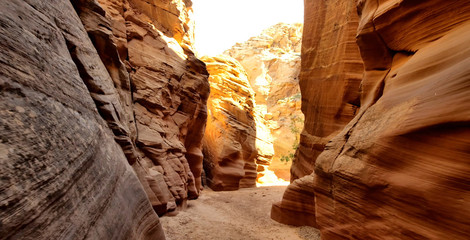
(398, 169)
(329, 80)
(63, 176)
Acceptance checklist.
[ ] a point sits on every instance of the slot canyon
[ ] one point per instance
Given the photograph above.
(354, 124)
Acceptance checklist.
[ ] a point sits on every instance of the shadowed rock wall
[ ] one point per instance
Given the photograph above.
(97, 95)
(399, 168)
(330, 75)
(63, 175)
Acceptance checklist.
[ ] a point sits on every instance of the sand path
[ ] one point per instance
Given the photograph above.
(234, 215)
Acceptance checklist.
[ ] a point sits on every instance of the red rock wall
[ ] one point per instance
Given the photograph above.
(398, 170)
(163, 89)
(330, 75)
(63, 176)
(75, 75)
(230, 150)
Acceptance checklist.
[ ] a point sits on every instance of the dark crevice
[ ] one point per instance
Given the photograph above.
(109, 56)
(379, 91)
(378, 34)
(87, 79)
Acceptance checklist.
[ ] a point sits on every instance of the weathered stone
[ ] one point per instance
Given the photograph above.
(169, 92)
(232, 143)
(329, 81)
(272, 62)
(397, 170)
(63, 175)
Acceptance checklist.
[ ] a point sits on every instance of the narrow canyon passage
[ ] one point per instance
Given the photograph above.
(242, 214)
(112, 115)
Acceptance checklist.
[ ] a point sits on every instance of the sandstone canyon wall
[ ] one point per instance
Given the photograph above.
(63, 175)
(234, 145)
(272, 62)
(398, 169)
(103, 109)
(163, 89)
(330, 76)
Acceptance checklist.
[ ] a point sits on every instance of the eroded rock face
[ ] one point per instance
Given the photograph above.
(233, 146)
(272, 62)
(63, 175)
(329, 80)
(89, 89)
(163, 89)
(398, 169)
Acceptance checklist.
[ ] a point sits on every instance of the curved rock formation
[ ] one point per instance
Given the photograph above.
(146, 46)
(329, 80)
(75, 75)
(404, 158)
(63, 175)
(399, 168)
(272, 62)
(232, 144)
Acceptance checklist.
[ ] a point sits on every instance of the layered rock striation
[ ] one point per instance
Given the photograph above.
(103, 110)
(404, 157)
(235, 146)
(63, 175)
(163, 89)
(329, 80)
(272, 62)
(398, 168)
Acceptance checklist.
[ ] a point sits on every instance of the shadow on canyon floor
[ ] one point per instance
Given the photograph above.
(242, 214)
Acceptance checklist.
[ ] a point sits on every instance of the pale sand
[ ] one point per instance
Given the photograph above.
(233, 215)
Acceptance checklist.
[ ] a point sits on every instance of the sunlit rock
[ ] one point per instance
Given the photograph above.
(169, 89)
(272, 62)
(236, 142)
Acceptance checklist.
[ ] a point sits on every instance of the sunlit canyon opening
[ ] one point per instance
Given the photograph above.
(252, 52)
(254, 65)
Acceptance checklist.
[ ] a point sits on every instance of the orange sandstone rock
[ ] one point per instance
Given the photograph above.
(272, 62)
(233, 141)
(398, 169)
(169, 89)
(97, 95)
(329, 80)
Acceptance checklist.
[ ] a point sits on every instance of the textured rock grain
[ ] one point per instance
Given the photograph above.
(63, 175)
(329, 80)
(97, 95)
(168, 88)
(272, 62)
(398, 169)
(233, 147)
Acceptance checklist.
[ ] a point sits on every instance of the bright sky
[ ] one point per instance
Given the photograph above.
(222, 23)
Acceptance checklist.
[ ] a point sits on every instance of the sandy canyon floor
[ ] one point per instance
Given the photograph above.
(233, 215)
